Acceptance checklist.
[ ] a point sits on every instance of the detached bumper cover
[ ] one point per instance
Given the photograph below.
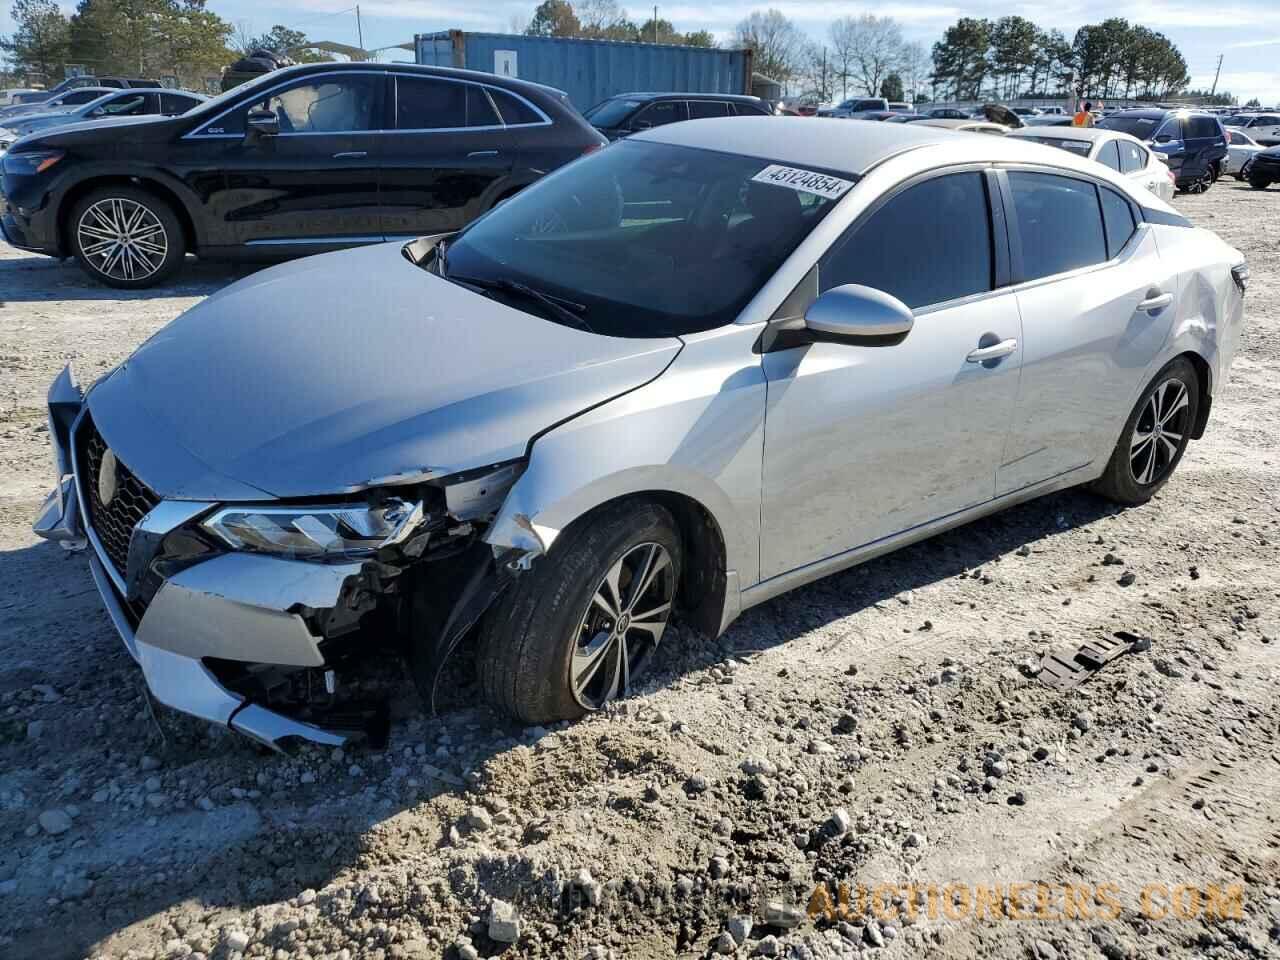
(233, 606)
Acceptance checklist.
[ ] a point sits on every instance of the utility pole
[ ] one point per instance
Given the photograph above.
(655, 23)
(1216, 74)
(359, 28)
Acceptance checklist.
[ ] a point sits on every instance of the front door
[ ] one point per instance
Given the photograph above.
(447, 160)
(315, 184)
(865, 442)
(1097, 304)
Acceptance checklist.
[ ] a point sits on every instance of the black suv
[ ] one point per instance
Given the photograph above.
(1194, 142)
(302, 160)
(628, 112)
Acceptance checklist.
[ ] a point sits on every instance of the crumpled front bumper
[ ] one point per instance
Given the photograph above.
(231, 607)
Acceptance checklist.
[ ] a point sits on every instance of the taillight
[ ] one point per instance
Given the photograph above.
(592, 148)
(1240, 274)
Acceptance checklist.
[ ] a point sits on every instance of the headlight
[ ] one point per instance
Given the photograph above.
(31, 162)
(315, 532)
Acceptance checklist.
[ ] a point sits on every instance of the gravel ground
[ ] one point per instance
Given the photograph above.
(883, 726)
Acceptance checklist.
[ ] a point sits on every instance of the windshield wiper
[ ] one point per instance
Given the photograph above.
(566, 310)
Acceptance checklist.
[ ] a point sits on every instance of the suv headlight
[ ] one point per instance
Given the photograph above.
(30, 162)
(315, 532)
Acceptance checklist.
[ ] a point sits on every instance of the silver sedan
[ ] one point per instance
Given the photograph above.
(681, 376)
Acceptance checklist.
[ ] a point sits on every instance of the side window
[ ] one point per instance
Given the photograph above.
(423, 104)
(660, 113)
(1109, 155)
(1203, 127)
(127, 106)
(514, 110)
(707, 108)
(888, 250)
(1059, 223)
(480, 112)
(324, 105)
(81, 97)
(1132, 156)
(750, 110)
(1170, 129)
(1117, 217)
(1267, 121)
(174, 103)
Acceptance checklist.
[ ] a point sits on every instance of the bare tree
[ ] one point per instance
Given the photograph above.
(597, 16)
(873, 46)
(779, 45)
(914, 67)
(242, 37)
(842, 33)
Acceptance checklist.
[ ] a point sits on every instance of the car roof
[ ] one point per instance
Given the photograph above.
(653, 95)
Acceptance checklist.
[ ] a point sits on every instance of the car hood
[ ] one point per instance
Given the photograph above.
(349, 370)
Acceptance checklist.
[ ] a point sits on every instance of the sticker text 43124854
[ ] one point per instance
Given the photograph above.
(806, 181)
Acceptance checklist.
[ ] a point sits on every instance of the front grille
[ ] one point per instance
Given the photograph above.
(113, 522)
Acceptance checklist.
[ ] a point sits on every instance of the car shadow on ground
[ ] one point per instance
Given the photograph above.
(267, 843)
(42, 279)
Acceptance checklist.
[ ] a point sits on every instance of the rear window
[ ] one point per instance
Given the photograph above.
(1079, 147)
(1059, 223)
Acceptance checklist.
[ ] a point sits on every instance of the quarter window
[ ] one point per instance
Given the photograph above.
(1132, 156)
(514, 110)
(699, 109)
(1059, 223)
(890, 251)
(1117, 218)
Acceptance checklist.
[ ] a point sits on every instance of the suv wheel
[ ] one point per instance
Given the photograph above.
(584, 623)
(1155, 436)
(126, 237)
(1259, 183)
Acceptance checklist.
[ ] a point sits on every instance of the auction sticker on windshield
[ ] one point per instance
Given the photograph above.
(806, 181)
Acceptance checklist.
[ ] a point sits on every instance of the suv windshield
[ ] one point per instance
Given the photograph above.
(1140, 127)
(644, 239)
(610, 113)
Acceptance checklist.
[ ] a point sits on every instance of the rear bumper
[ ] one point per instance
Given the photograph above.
(233, 613)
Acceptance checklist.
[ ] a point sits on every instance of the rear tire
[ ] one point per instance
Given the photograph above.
(553, 625)
(1258, 183)
(1154, 437)
(126, 237)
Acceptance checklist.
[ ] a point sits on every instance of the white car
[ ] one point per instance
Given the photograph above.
(1124, 154)
(1240, 147)
(1264, 128)
(7, 95)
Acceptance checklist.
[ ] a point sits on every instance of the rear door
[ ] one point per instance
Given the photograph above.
(1206, 142)
(1266, 129)
(446, 158)
(1095, 300)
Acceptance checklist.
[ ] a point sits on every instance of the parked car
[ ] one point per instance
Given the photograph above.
(549, 433)
(877, 115)
(63, 101)
(1052, 111)
(305, 159)
(898, 106)
(1124, 154)
(9, 95)
(948, 113)
(1264, 128)
(115, 105)
(1263, 168)
(856, 105)
(1194, 142)
(1026, 112)
(1049, 120)
(966, 126)
(1240, 147)
(626, 113)
(72, 83)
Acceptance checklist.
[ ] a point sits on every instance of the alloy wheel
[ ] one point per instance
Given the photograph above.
(1160, 433)
(622, 626)
(122, 239)
(1201, 183)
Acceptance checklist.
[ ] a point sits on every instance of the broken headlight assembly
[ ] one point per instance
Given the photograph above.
(334, 532)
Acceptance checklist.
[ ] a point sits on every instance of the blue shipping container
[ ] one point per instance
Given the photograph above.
(590, 70)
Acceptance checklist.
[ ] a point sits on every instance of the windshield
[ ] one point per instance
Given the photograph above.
(1140, 127)
(1080, 148)
(610, 113)
(647, 239)
(228, 96)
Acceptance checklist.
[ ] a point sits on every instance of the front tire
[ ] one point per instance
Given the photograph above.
(1154, 437)
(1258, 183)
(126, 238)
(578, 629)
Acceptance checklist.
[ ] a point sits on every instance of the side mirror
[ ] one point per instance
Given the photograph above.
(859, 316)
(262, 123)
(1163, 138)
(97, 112)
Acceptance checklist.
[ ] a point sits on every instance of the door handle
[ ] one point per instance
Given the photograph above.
(993, 352)
(474, 154)
(1155, 301)
(351, 155)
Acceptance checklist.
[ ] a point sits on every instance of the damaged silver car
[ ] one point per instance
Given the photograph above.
(711, 363)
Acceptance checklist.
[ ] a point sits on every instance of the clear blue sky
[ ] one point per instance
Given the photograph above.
(1246, 31)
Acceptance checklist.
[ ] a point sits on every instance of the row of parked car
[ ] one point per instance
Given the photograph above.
(326, 156)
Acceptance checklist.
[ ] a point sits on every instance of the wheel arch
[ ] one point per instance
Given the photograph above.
(73, 194)
(1205, 375)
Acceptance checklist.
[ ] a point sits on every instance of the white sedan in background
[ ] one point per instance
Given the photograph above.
(1124, 154)
(1240, 147)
